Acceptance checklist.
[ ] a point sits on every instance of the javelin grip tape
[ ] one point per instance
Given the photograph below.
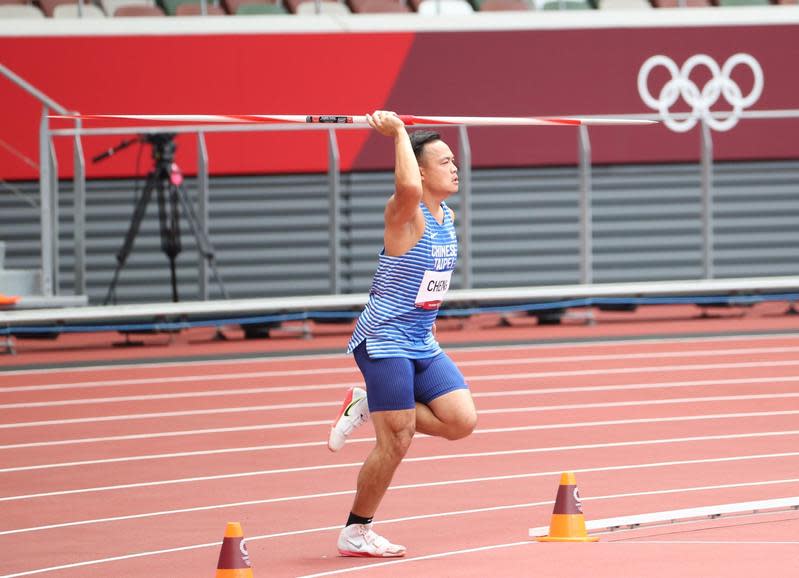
(329, 118)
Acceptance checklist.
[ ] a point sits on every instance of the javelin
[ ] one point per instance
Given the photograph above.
(358, 120)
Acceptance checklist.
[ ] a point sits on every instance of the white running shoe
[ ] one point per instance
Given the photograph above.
(354, 412)
(361, 540)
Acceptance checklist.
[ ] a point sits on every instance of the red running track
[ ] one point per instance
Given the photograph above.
(133, 471)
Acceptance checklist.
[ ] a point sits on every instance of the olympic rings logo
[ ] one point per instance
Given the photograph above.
(700, 101)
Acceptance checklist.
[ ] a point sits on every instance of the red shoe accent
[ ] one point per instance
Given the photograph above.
(345, 405)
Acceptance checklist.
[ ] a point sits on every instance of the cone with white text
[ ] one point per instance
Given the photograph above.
(568, 522)
(234, 560)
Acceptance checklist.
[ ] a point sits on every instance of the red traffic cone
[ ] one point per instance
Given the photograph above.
(234, 560)
(568, 522)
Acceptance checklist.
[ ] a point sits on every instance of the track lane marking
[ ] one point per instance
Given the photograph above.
(439, 457)
(413, 486)
(337, 403)
(287, 425)
(337, 527)
(344, 385)
(507, 410)
(156, 380)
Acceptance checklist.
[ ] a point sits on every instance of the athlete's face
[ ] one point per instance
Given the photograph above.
(438, 169)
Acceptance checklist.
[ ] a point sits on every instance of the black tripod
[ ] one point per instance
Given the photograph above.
(166, 180)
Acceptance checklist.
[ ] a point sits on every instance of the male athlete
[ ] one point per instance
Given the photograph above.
(412, 384)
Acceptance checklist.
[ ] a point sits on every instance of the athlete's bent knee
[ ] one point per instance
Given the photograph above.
(462, 426)
(397, 443)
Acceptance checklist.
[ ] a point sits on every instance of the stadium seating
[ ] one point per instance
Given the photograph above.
(378, 6)
(442, 7)
(260, 8)
(309, 7)
(137, 10)
(624, 5)
(20, 11)
(563, 5)
(685, 3)
(189, 9)
(232, 6)
(171, 6)
(48, 6)
(325, 7)
(110, 6)
(71, 11)
(128, 8)
(742, 2)
(504, 6)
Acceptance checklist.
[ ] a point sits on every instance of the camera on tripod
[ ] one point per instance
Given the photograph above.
(166, 180)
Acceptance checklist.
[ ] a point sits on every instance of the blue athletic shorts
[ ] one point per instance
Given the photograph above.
(398, 383)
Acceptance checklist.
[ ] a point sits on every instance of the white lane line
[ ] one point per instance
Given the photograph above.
(337, 527)
(199, 363)
(221, 377)
(111, 559)
(527, 409)
(396, 561)
(182, 395)
(446, 554)
(415, 486)
(343, 386)
(528, 543)
(637, 403)
(309, 405)
(630, 356)
(436, 555)
(156, 380)
(499, 377)
(205, 431)
(440, 457)
(299, 358)
(736, 542)
(161, 414)
(179, 433)
(639, 386)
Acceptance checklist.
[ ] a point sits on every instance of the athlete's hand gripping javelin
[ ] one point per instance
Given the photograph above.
(385, 122)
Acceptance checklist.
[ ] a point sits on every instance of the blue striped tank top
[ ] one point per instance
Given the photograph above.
(406, 293)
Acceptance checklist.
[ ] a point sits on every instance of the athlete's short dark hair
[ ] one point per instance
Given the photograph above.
(419, 138)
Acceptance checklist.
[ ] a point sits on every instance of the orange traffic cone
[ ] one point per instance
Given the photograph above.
(568, 523)
(234, 560)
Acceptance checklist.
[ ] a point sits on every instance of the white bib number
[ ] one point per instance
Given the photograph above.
(432, 289)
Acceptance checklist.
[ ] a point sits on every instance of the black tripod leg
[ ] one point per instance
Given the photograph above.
(130, 236)
(169, 223)
(204, 245)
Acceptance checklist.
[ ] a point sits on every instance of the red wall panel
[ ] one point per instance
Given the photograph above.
(280, 74)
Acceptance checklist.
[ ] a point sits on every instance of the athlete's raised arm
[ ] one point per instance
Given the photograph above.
(402, 210)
